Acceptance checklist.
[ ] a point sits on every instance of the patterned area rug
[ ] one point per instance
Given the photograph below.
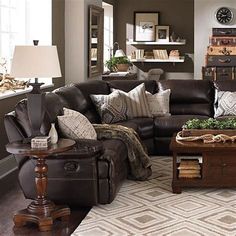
(150, 208)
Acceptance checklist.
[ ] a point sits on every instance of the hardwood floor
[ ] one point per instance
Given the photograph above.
(14, 200)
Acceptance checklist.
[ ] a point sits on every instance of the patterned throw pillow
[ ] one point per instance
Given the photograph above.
(74, 125)
(159, 103)
(136, 101)
(112, 108)
(226, 104)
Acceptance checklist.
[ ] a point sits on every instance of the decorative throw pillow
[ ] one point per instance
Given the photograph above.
(159, 103)
(226, 104)
(74, 125)
(136, 100)
(112, 108)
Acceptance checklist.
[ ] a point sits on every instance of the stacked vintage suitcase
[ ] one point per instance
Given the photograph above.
(221, 55)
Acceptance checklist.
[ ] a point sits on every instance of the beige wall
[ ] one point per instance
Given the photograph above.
(76, 39)
(7, 105)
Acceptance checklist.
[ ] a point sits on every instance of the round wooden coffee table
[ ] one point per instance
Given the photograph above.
(41, 211)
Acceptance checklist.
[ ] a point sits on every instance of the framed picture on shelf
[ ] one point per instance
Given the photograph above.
(144, 26)
(162, 33)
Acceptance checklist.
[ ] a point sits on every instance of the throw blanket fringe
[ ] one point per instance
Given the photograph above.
(139, 161)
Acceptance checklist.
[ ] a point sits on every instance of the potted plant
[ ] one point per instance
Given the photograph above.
(197, 127)
(118, 64)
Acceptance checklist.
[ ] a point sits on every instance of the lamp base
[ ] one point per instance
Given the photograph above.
(36, 110)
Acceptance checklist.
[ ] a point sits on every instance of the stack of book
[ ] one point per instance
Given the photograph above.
(189, 168)
(160, 54)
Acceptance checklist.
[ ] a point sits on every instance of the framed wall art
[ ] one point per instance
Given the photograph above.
(144, 26)
(162, 33)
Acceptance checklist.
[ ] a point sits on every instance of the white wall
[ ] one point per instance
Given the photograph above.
(204, 21)
(76, 39)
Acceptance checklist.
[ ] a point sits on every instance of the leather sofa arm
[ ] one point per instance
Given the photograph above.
(84, 148)
(12, 127)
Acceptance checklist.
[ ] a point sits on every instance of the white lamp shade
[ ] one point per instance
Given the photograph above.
(35, 62)
(119, 53)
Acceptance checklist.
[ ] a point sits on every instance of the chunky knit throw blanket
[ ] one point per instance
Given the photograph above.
(140, 165)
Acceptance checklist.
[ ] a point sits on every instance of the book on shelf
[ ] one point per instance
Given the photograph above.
(160, 54)
(189, 171)
(190, 176)
(189, 167)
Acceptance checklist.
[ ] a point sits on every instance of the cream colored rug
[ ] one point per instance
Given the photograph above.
(150, 208)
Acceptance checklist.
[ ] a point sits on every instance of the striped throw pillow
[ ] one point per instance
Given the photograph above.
(136, 100)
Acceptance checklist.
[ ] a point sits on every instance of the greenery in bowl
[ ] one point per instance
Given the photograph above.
(114, 61)
(229, 123)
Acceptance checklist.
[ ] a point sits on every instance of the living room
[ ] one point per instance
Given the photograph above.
(129, 128)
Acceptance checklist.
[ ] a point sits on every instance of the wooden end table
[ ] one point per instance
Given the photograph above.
(218, 165)
(41, 211)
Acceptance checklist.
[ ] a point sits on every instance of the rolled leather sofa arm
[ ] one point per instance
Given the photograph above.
(84, 148)
(12, 127)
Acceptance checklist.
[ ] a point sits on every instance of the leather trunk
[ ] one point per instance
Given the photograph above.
(225, 73)
(221, 50)
(223, 41)
(224, 31)
(209, 73)
(223, 61)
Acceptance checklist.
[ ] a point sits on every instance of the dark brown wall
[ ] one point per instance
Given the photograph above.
(178, 14)
(58, 38)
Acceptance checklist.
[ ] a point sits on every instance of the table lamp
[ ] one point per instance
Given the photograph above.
(119, 52)
(35, 62)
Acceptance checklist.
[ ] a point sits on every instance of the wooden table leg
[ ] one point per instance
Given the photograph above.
(41, 211)
(176, 189)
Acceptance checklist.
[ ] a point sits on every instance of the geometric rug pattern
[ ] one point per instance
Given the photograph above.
(150, 208)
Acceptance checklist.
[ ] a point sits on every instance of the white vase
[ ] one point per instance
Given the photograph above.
(53, 134)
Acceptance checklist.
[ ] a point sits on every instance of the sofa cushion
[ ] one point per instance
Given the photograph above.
(137, 103)
(111, 108)
(143, 126)
(226, 104)
(127, 85)
(190, 97)
(166, 126)
(92, 87)
(71, 97)
(225, 85)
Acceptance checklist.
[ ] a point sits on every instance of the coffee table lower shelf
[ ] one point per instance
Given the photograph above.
(218, 167)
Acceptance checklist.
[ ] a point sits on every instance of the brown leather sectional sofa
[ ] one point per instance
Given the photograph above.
(93, 171)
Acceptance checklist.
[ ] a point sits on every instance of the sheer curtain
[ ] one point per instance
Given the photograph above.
(22, 21)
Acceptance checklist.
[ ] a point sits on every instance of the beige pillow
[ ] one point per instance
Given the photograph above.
(75, 125)
(159, 103)
(136, 100)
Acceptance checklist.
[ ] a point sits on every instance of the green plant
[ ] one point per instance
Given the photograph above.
(114, 61)
(229, 123)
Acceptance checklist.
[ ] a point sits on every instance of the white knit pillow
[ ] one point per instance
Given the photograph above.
(159, 103)
(136, 100)
(226, 104)
(75, 125)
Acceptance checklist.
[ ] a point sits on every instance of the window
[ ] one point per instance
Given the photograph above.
(108, 31)
(22, 21)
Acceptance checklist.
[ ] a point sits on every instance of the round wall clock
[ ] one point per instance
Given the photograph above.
(224, 15)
